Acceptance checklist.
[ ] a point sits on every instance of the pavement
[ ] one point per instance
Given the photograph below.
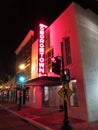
(47, 118)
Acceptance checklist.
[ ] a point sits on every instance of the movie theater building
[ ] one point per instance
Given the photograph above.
(77, 30)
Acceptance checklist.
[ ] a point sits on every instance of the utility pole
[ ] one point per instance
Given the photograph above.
(67, 124)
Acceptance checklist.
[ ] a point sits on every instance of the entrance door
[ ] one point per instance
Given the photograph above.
(45, 95)
(51, 97)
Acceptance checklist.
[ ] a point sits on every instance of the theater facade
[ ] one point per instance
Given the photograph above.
(77, 30)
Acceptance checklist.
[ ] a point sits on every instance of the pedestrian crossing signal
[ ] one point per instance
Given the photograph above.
(66, 75)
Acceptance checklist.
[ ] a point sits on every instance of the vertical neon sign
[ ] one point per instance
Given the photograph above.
(41, 50)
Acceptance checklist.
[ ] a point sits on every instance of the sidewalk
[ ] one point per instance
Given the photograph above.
(47, 118)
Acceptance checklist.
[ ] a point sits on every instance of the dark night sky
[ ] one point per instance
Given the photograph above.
(17, 17)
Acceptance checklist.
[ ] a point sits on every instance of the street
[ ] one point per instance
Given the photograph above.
(9, 121)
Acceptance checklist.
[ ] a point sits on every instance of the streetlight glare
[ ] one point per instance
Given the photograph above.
(22, 78)
(22, 66)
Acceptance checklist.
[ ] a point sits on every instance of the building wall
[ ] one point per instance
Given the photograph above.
(35, 97)
(35, 92)
(65, 26)
(87, 23)
(79, 25)
(23, 55)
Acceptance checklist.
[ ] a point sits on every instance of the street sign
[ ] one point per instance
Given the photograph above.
(65, 92)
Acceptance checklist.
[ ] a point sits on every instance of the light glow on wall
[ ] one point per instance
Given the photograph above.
(41, 50)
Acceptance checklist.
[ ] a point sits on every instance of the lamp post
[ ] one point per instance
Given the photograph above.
(21, 79)
(67, 124)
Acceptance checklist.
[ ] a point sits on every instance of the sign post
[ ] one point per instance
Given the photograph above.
(19, 100)
(65, 93)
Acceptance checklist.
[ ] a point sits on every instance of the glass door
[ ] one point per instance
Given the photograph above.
(45, 99)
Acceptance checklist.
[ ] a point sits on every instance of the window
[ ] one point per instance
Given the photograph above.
(45, 96)
(49, 56)
(74, 97)
(67, 51)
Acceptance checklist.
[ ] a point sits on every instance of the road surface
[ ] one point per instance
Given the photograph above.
(9, 121)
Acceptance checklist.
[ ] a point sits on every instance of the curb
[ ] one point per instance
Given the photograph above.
(34, 123)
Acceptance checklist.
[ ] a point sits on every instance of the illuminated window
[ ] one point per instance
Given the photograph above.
(49, 56)
(47, 40)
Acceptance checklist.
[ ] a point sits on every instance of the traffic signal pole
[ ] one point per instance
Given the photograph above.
(67, 124)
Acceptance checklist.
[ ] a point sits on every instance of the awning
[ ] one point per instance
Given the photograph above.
(44, 81)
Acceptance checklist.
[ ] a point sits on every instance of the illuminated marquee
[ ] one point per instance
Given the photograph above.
(41, 50)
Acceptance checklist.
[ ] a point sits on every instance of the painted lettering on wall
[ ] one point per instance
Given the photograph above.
(41, 50)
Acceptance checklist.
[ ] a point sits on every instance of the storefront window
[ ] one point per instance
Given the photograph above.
(74, 97)
(27, 95)
(45, 96)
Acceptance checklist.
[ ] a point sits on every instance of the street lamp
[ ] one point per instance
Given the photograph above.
(22, 66)
(21, 79)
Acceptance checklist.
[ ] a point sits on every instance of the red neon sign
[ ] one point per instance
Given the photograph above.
(41, 50)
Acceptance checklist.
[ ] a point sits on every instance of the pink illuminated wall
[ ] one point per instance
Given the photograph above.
(66, 26)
